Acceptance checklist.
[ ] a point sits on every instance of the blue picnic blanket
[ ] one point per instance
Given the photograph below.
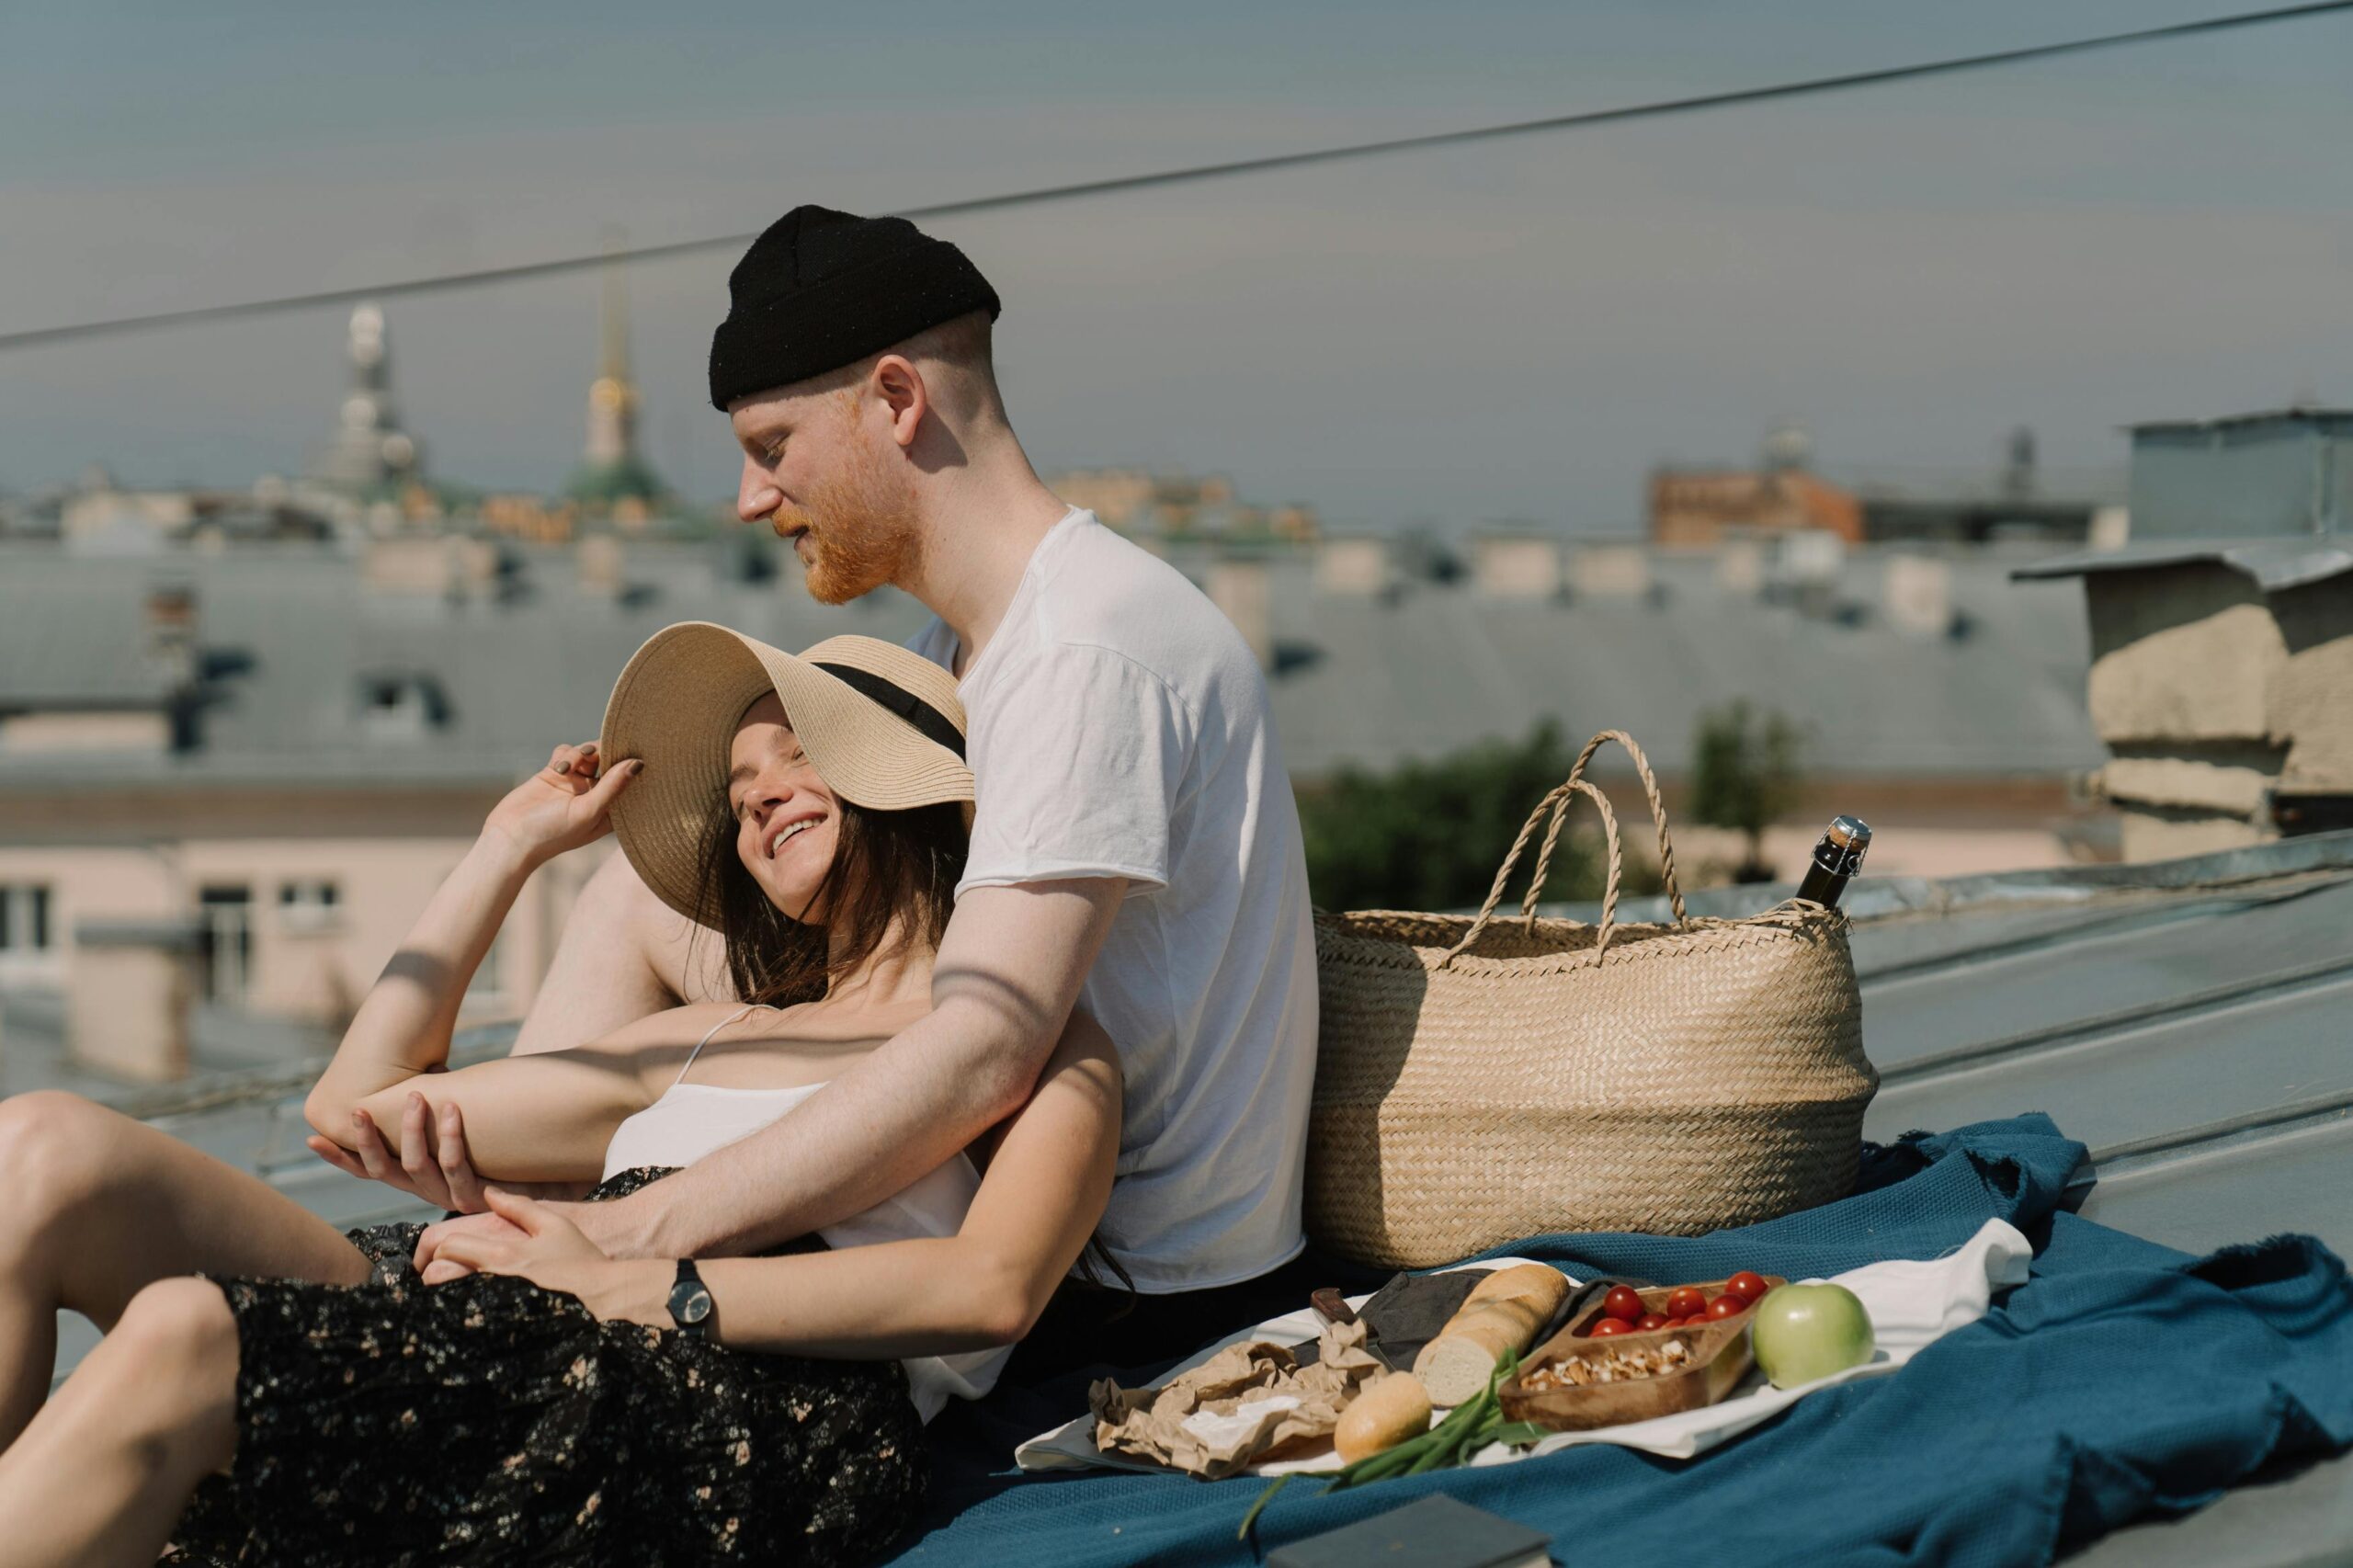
(2123, 1379)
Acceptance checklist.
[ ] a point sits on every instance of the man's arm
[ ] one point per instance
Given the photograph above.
(1006, 977)
(985, 1285)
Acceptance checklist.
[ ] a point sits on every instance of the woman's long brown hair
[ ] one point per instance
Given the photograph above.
(891, 866)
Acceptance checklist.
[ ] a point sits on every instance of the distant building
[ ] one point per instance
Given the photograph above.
(1700, 508)
(102, 518)
(614, 479)
(1138, 501)
(1937, 698)
(370, 455)
(2222, 633)
(229, 783)
(2018, 502)
(228, 780)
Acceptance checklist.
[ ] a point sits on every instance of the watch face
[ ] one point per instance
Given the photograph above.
(690, 1304)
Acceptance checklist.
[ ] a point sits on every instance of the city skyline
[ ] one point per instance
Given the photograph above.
(1909, 272)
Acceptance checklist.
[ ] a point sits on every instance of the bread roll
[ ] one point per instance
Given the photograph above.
(1504, 1315)
(1390, 1410)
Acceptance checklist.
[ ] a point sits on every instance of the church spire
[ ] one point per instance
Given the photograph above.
(613, 477)
(612, 396)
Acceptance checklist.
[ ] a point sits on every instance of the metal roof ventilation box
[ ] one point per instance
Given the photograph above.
(2270, 495)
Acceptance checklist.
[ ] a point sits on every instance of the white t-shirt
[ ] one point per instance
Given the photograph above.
(1119, 727)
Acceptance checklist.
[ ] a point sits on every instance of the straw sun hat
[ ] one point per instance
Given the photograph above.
(882, 725)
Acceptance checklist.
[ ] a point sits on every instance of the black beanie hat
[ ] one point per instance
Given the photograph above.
(821, 289)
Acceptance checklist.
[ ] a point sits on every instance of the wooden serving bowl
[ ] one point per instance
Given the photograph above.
(1719, 1357)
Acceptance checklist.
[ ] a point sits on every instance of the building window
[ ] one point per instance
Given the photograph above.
(310, 904)
(226, 943)
(24, 917)
(397, 706)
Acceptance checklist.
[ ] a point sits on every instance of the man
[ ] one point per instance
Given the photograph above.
(1135, 843)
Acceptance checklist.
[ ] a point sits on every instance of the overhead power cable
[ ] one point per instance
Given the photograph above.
(1813, 85)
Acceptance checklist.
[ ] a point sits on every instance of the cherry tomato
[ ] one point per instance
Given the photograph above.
(1686, 1301)
(1746, 1285)
(1725, 1307)
(1651, 1321)
(1678, 1322)
(1623, 1303)
(1608, 1326)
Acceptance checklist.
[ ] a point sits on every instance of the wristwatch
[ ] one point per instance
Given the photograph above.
(691, 1307)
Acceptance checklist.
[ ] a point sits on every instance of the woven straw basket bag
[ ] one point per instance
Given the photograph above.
(1481, 1079)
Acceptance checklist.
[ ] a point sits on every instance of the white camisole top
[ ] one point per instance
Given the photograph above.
(691, 1119)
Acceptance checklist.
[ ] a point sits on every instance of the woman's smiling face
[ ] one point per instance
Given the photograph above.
(786, 823)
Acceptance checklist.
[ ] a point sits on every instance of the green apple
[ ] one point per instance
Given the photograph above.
(1805, 1332)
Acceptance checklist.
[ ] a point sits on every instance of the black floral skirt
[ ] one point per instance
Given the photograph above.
(488, 1421)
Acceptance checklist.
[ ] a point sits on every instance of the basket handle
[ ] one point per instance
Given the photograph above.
(1658, 817)
(1557, 803)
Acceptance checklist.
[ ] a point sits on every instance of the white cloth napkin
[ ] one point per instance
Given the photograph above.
(1912, 1304)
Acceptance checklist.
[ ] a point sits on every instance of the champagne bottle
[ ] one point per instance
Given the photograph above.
(1835, 859)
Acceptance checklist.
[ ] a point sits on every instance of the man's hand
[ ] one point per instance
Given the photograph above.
(533, 1242)
(444, 1250)
(433, 1164)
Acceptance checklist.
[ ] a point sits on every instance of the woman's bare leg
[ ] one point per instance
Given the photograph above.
(106, 1470)
(94, 1206)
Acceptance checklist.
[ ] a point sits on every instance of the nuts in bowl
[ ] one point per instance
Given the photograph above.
(1610, 1364)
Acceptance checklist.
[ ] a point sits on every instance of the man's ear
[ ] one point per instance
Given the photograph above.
(898, 386)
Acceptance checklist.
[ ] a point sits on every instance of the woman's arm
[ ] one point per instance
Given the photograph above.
(543, 1118)
(1039, 1200)
(402, 1028)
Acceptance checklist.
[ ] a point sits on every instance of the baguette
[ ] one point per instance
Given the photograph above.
(1502, 1316)
(1389, 1411)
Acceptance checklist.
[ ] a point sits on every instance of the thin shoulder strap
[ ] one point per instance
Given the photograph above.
(738, 1013)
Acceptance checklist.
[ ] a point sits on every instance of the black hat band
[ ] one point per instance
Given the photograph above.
(929, 722)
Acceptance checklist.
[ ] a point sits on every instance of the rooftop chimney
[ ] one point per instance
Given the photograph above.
(1610, 572)
(1355, 566)
(1915, 593)
(1516, 566)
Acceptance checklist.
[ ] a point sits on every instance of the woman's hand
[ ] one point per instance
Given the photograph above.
(553, 1254)
(563, 806)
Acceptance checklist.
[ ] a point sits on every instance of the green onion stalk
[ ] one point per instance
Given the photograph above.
(1468, 1427)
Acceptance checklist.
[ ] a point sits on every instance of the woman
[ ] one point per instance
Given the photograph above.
(559, 1405)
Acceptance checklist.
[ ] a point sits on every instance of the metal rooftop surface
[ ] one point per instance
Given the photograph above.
(2196, 1038)
(2187, 1020)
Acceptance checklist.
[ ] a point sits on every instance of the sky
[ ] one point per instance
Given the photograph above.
(1517, 329)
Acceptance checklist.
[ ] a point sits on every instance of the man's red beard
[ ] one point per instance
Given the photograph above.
(861, 532)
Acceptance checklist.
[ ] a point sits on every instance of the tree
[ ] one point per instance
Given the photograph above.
(1745, 776)
(1430, 835)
